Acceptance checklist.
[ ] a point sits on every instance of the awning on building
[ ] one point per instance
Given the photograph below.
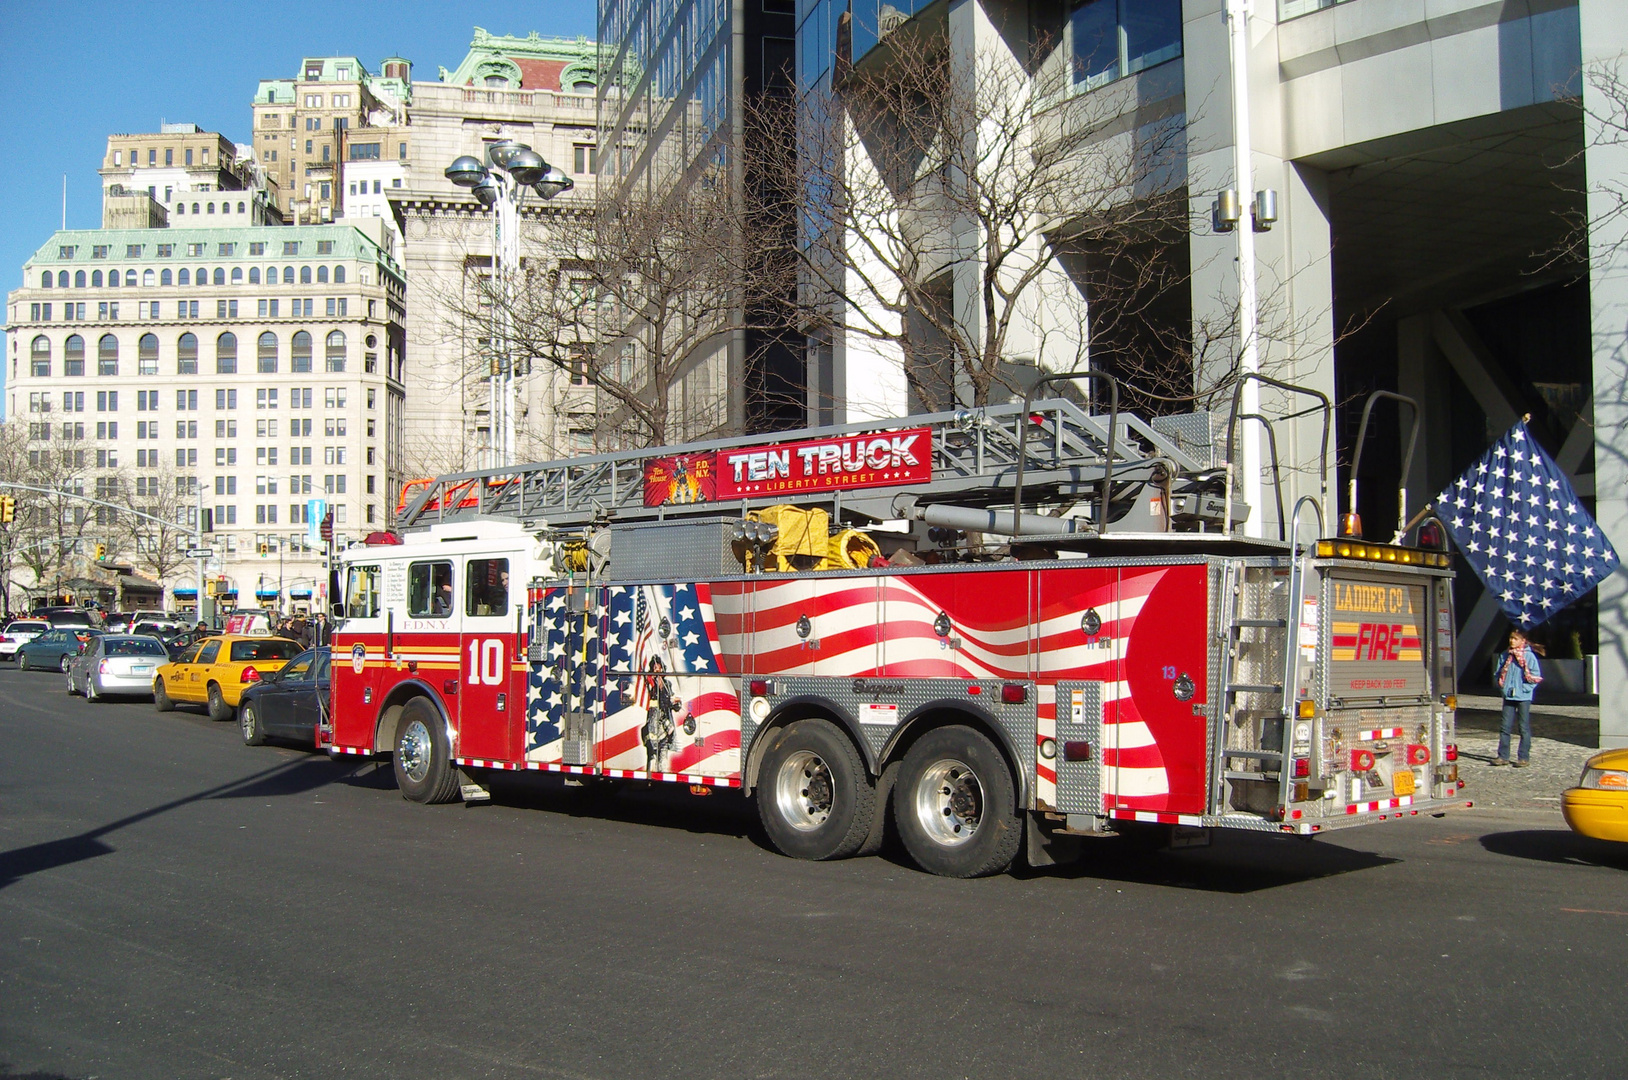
(266, 594)
(299, 594)
(185, 594)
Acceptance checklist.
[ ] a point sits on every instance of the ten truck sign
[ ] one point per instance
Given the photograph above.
(879, 459)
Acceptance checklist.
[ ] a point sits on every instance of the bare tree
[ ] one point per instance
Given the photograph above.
(155, 532)
(952, 204)
(1604, 104)
(53, 520)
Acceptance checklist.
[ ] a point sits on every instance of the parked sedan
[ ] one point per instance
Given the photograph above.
(20, 633)
(218, 671)
(54, 650)
(116, 664)
(286, 703)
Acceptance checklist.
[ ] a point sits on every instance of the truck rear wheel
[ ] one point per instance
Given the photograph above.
(814, 796)
(423, 757)
(955, 805)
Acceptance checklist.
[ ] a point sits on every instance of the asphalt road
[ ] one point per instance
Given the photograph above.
(174, 904)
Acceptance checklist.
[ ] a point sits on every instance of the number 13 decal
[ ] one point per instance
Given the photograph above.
(486, 662)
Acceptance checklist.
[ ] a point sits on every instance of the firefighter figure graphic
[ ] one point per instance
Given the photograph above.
(664, 713)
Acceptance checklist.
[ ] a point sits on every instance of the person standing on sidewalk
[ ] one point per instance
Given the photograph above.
(1518, 676)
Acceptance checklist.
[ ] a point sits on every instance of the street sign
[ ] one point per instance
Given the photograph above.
(200, 553)
(315, 511)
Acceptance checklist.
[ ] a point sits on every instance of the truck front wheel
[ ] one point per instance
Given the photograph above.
(814, 796)
(423, 759)
(955, 805)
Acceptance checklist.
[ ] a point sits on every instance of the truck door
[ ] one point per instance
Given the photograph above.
(491, 702)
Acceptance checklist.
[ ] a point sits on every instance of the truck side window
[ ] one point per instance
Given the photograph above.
(362, 593)
(429, 590)
(486, 587)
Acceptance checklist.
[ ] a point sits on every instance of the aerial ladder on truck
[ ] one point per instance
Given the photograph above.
(1008, 627)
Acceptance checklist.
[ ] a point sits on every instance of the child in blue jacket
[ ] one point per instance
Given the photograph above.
(1518, 676)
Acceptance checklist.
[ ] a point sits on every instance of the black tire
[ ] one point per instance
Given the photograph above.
(22, 662)
(955, 805)
(248, 719)
(216, 702)
(423, 757)
(814, 795)
(161, 697)
(65, 663)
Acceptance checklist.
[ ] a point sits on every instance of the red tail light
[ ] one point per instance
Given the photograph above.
(1418, 754)
(101, 667)
(1014, 693)
(1301, 768)
(1362, 760)
(249, 675)
(1450, 752)
(759, 687)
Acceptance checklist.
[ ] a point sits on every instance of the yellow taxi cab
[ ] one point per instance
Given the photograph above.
(1598, 805)
(217, 670)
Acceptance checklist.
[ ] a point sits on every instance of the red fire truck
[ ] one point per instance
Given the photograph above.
(1004, 627)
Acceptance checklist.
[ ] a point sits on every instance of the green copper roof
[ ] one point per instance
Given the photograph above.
(349, 243)
(579, 55)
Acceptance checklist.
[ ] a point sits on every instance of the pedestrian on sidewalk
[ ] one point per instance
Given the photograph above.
(1518, 676)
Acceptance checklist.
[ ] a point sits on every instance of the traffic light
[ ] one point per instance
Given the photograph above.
(8, 509)
(328, 528)
(263, 549)
(101, 552)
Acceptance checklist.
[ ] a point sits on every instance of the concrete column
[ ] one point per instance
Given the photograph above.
(1605, 41)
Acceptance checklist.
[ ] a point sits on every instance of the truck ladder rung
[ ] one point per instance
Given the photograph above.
(1276, 624)
(1254, 688)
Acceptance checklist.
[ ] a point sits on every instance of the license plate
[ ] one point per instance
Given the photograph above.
(1402, 782)
(141, 669)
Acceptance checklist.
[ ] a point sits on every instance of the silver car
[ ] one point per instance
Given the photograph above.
(116, 664)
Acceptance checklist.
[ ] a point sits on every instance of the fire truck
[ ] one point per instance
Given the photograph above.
(1007, 628)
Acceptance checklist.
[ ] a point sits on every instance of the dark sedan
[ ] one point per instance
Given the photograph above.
(55, 649)
(287, 703)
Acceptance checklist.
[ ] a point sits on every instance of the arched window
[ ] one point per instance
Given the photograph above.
(211, 208)
(107, 355)
(96, 279)
(78, 279)
(254, 275)
(271, 275)
(113, 279)
(186, 355)
(130, 279)
(237, 275)
(73, 355)
(181, 208)
(300, 352)
(147, 279)
(336, 351)
(288, 275)
(220, 275)
(166, 277)
(240, 208)
(45, 280)
(201, 277)
(305, 275)
(185, 278)
(266, 361)
(339, 275)
(39, 364)
(226, 354)
(194, 208)
(322, 274)
(147, 355)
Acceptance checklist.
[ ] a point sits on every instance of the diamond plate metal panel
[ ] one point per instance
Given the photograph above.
(695, 550)
(1079, 719)
(880, 707)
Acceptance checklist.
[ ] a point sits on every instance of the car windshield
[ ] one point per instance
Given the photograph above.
(134, 647)
(266, 649)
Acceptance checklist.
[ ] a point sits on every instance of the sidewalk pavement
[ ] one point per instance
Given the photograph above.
(1563, 737)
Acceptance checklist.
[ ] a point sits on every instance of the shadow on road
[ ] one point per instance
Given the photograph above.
(1557, 846)
(1241, 863)
(288, 778)
(668, 806)
(7, 1074)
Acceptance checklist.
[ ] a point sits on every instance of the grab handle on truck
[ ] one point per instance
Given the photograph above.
(1232, 431)
(1407, 458)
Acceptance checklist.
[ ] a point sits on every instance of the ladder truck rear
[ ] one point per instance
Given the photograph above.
(1007, 628)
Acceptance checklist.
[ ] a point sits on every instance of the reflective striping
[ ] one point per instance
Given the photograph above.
(361, 750)
(1382, 804)
(1379, 733)
(1159, 817)
(591, 770)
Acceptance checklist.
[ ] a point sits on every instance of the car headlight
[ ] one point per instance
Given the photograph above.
(1604, 779)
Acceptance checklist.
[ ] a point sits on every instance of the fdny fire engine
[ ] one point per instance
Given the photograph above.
(1005, 627)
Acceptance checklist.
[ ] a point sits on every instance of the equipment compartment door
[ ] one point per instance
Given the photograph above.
(488, 705)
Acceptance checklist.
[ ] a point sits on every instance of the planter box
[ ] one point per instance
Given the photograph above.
(1570, 676)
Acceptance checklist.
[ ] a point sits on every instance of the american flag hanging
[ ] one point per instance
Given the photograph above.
(1520, 525)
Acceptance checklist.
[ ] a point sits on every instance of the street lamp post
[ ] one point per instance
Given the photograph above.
(511, 170)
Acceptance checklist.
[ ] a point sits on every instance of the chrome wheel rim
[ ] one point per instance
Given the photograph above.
(66, 664)
(413, 751)
(803, 791)
(246, 721)
(949, 802)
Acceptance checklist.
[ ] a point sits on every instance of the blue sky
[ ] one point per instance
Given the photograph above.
(77, 71)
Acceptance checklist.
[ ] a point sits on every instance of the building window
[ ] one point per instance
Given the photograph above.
(1116, 38)
(220, 276)
(339, 275)
(305, 275)
(166, 276)
(300, 352)
(291, 247)
(582, 158)
(186, 355)
(322, 275)
(73, 355)
(257, 248)
(107, 355)
(325, 247)
(336, 351)
(147, 355)
(364, 151)
(39, 364)
(288, 275)
(254, 276)
(266, 354)
(226, 354)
